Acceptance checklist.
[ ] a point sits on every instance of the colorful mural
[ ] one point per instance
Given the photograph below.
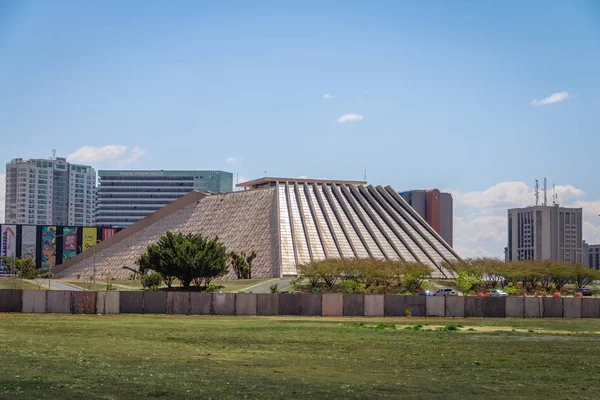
(69, 242)
(48, 247)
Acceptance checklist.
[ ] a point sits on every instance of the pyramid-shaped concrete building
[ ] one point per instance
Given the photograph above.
(286, 222)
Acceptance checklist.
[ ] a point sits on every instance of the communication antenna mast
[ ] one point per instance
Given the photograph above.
(545, 192)
(53, 154)
(554, 195)
(537, 192)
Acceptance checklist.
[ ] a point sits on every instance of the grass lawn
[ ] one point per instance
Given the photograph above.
(20, 284)
(141, 356)
(227, 285)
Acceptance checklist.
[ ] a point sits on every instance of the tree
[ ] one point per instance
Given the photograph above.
(24, 268)
(310, 272)
(467, 282)
(414, 275)
(583, 276)
(151, 281)
(241, 263)
(186, 257)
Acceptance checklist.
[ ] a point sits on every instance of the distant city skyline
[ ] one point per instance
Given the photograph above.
(420, 95)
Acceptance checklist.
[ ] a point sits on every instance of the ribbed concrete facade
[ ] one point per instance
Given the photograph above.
(287, 222)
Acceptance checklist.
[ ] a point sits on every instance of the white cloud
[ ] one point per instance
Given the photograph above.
(350, 118)
(553, 98)
(2, 194)
(109, 154)
(327, 96)
(510, 195)
(233, 160)
(480, 220)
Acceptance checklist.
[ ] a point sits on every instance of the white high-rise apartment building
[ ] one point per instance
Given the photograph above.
(545, 233)
(50, 192)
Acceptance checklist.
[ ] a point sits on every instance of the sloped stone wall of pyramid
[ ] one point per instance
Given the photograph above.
(244, 221)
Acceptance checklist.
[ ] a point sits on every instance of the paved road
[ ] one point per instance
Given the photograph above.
(58, 285)
(265, 287)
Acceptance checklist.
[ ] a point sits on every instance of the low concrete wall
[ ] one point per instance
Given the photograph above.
(312, 304)
(11, 300)
(108, 302)
(333, 305)
(572, 307)
(223, 303)
(455, 306)
(393, 306)
(515, 307)
(533, 307)
(290, 304)
(435, 306)
(132, 302)
(354, 305)
(178, 303)
(201, 303)
(267, 304)
(495, 307)
(83, 302)
(58, 301)
(553, 307)
(34, 301)
(590, 308)
(374, 305)
(245, 304)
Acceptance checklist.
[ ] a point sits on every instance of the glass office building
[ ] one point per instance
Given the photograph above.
(125, 197)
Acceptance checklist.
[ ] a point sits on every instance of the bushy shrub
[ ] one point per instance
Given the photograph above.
(151, 281)
(510, 288)
(274, 288)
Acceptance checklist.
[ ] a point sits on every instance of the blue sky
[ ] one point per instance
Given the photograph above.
(435, 94)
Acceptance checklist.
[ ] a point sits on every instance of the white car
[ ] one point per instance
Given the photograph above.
(446, 292)
(498, 293)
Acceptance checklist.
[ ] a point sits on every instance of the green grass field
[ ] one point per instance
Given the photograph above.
(142, 356)
(20, 284)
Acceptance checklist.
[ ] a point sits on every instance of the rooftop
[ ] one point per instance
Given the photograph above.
(271, 181)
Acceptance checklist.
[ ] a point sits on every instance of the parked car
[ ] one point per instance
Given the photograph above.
(585, 291)
(426, 293)
(498, 293)
(446, 292)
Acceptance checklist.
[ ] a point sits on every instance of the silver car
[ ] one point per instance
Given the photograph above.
(498, 293)
(446, 292)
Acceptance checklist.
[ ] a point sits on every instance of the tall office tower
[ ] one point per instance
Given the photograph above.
(545, 233)
(434, 207)
(50, 192)
(125, 197)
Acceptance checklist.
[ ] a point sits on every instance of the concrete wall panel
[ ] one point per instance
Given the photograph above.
(590, 308)
(311, 304)
(354, 305)
(108, 302)
(416, 305)
(553, 307)
(290, 304)
(533, 307)
(495, 307)
(178, 302)
(333, 305)
(11, 300)
(34, 301)
(393, 306)
(267, 304)
(201, 303)
(455, 306)
(245, 304)
(374, 305)
(572, 307)
(132, 302)
(474, 307)
(435, 306)
(223, 303)
(83, 302)
(155, 302)
(58, 301)
(515, 307)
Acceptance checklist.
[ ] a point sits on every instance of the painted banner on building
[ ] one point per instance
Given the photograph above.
(48, 246)
(108, 232)
(8, 248)
(90, 237)
(28, 242)
(69, 242)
